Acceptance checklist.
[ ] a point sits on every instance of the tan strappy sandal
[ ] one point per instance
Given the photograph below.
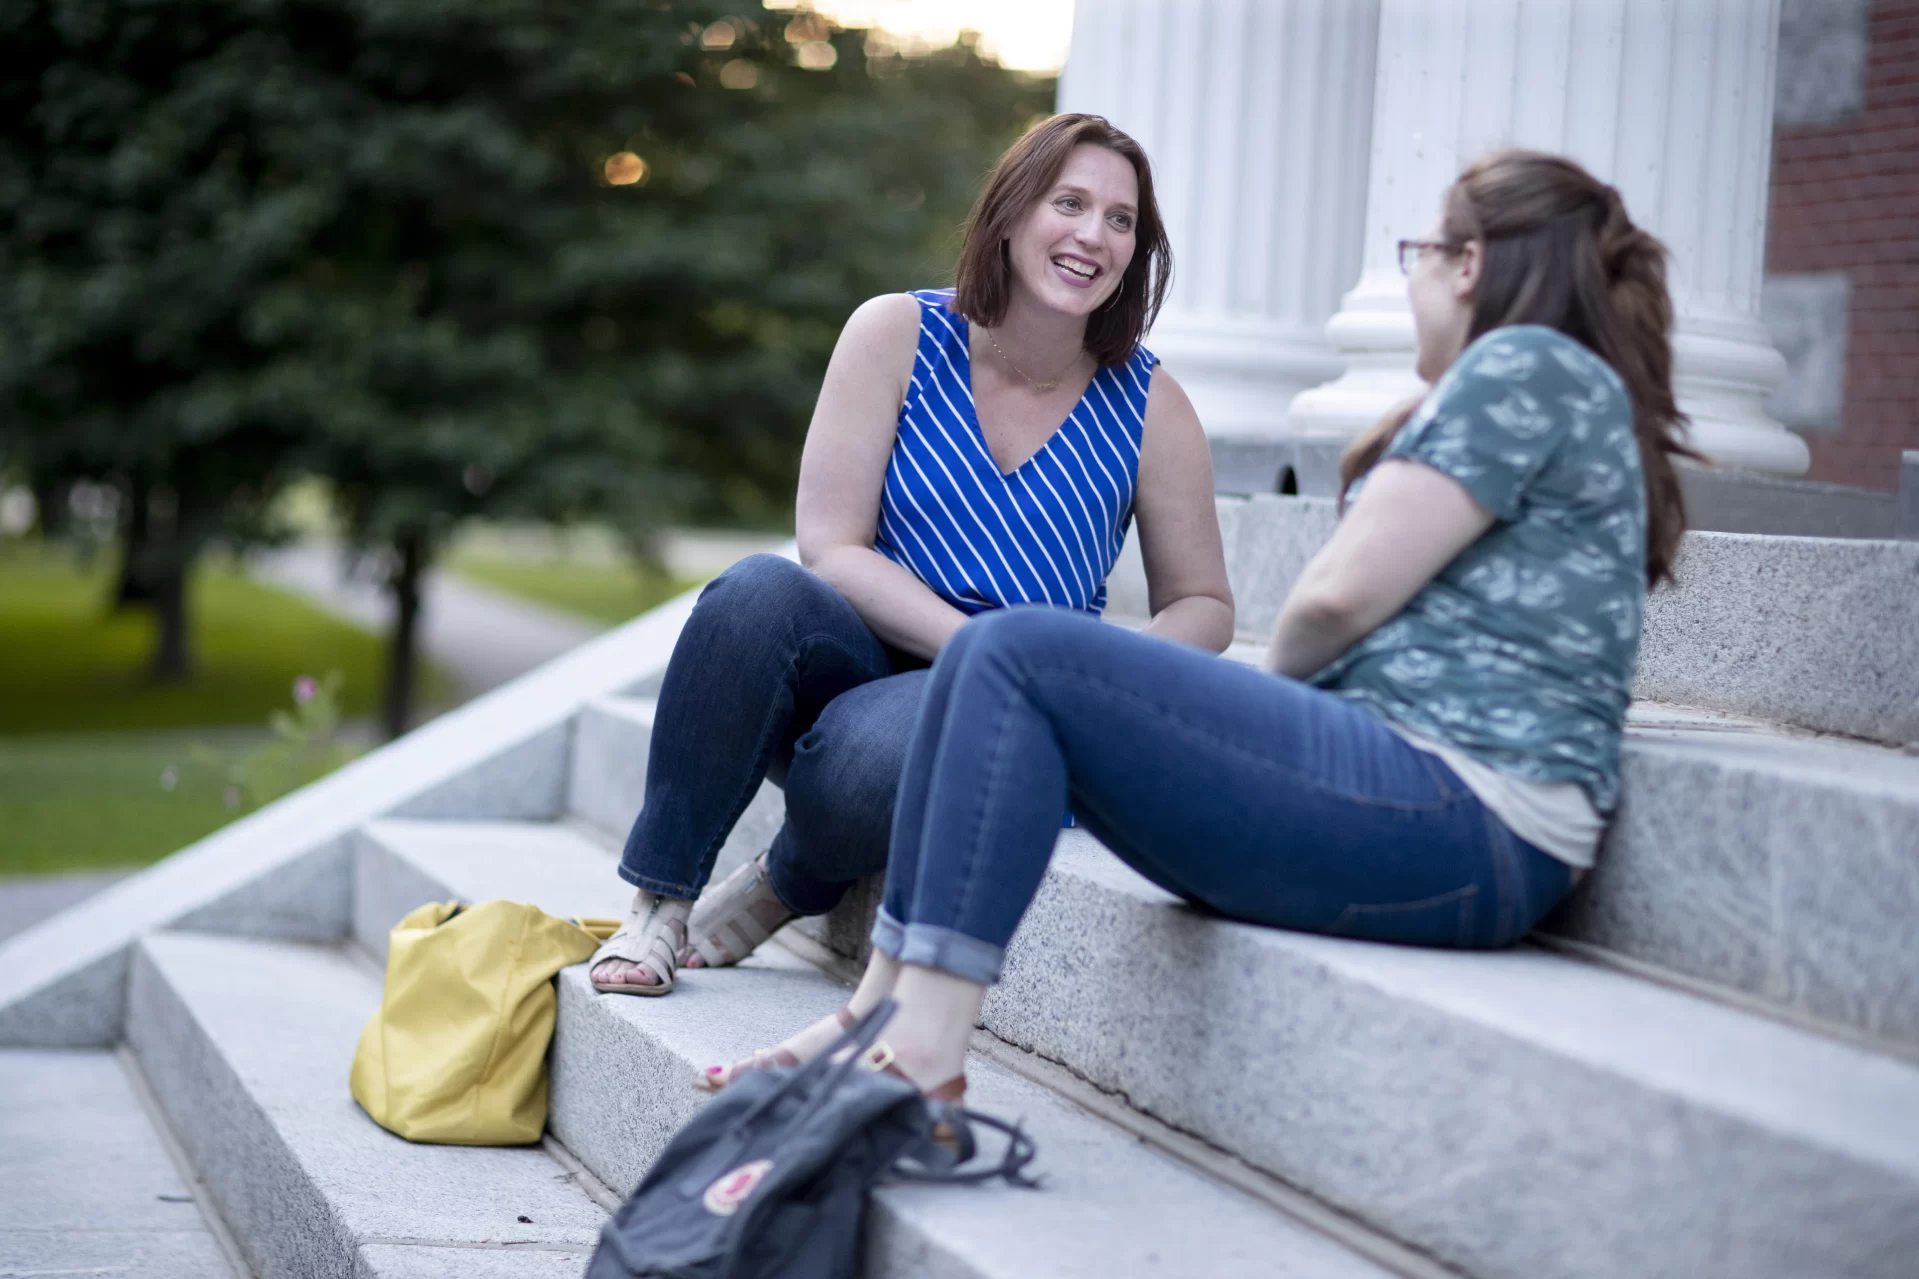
(653, 938)
(730, 919)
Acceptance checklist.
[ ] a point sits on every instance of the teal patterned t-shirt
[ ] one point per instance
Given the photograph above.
(1521, 651)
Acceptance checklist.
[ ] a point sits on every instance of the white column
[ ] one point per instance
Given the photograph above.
(1256, 114)
(1669, 100)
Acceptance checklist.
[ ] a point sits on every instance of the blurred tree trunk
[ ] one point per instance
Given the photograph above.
(165, 591)
(153, 574)
(402, 651)
(132, 587)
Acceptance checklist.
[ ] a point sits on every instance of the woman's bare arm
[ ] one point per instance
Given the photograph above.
(1186, 583)
(1407, 524)
(843, 469)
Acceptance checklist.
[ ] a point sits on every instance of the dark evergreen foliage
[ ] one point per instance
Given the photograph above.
(242, 240)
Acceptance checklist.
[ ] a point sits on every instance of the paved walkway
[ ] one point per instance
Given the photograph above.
(25, 900)
(482, 637)
(89, 1186)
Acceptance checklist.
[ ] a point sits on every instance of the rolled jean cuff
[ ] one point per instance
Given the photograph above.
(931, 946)
(888, 934)
(659, 887)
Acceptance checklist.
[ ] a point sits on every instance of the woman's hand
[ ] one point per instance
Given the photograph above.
(843, 470)
(1186, 585)
(1408, 523)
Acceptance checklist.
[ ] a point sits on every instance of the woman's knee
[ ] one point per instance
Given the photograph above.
(767, 586)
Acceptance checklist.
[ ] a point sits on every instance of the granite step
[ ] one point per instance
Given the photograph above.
(1513, 1114)
(90, 1185)
(247, 1045)
(623, 1072)
(1777, 865)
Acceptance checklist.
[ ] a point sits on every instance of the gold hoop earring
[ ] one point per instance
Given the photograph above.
(1118, 293)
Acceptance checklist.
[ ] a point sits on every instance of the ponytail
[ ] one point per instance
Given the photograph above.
(1640, 339)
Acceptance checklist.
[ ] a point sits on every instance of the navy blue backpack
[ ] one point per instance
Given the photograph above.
(771, 1177)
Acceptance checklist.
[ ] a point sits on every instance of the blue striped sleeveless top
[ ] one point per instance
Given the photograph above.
(1047, 533)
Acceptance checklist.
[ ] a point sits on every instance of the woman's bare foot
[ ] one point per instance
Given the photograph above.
(639, 958)
(797, 1049)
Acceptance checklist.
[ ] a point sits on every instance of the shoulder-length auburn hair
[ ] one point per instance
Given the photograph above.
(983, 279)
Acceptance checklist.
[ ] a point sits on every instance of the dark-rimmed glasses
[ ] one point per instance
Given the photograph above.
(1409, 251)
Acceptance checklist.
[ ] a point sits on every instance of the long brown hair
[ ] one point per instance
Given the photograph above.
(1560, 251)
(983, 279)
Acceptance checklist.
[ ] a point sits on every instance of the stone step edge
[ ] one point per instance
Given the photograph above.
(170, 1142)
(1585, 952)
(276, 1130)
(1194, 1151)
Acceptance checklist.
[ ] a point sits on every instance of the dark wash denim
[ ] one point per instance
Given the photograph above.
(775, 675)
(1252, 795)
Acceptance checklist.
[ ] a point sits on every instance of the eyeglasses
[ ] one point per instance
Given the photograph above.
(1409, 251)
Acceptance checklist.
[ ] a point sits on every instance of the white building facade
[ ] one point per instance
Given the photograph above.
(1295, 141)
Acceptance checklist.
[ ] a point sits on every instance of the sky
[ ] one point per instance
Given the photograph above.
(1028, 35)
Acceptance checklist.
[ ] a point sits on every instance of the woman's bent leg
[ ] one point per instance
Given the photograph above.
(840, 788)
(1255, 795)
(767, 647)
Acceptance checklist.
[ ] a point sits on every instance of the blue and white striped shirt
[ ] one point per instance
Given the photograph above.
(1048, 532)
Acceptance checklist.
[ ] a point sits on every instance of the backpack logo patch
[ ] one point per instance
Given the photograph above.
(724, 1197)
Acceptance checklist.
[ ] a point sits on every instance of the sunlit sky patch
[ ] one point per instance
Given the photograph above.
(1027, 35)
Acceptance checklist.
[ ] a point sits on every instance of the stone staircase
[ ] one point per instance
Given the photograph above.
(1707, 1064)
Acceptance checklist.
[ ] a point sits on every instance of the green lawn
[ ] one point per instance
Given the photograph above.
(610, 591)
(69, 665)
(80, 783)
(88, 800)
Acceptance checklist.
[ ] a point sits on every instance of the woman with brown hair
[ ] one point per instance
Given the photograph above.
(972, 449)
(1430, 753)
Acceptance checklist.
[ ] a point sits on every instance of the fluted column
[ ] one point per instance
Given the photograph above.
(1670, 100)
(1256, 114)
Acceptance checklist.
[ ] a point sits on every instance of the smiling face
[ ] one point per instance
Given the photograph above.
(1072, 248)
(1441, 287)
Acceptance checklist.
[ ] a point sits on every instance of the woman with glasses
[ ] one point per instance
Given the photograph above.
(972, 449)
(1432, 749)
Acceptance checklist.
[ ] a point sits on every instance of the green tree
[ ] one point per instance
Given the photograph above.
(540, 258)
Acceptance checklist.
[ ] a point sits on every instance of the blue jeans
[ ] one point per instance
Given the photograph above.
(1252, 795)
(775, 675)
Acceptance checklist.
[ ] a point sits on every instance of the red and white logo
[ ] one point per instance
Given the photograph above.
(724, 1197)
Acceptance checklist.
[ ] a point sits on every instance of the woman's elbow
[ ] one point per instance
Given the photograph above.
(1328, 610)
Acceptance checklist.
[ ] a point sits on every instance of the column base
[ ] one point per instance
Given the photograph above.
(1240, 372)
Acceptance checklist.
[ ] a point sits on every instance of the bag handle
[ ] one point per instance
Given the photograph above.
(1020, 1150)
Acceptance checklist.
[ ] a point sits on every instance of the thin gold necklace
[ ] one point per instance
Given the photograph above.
(1041, 387)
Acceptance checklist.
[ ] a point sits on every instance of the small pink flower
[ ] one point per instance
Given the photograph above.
(305, 689)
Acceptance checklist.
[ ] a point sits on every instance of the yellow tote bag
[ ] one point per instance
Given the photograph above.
(457, 1052)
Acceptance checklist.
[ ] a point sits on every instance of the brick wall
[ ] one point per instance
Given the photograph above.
(1845, 197)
